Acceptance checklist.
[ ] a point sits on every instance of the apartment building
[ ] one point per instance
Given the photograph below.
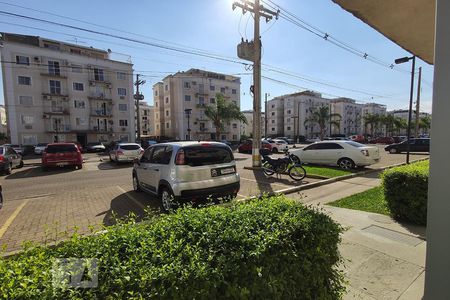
(247, 129)
(351, 116)
(55, 91)
(147, 120)
(404, 113)
(3, 126)
(180, 100)
(373, 109)
(275, 116)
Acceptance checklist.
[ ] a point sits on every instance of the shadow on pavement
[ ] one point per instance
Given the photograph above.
(109, 165)
(38, 172)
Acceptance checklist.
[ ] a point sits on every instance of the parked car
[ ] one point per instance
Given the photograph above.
(357, 138)
(79, 146)
(382, 140)
(415, 145)
(287, 140)
(17, 148)
(399, 139)
(246, 147)
(345, 154)
(9, 159)
(61, 155)
(278, 145)
(183, 171)
(39, 148)
(125, 152)
(226, 143)
(335, 138)
(95, 147)
(312, 140)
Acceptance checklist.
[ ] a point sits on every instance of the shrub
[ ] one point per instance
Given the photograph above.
(405, 191)
(271, 248)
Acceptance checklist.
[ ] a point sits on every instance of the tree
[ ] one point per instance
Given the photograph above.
(322, 116)
(425, 123)
(389, 122)
(373, 120)
(223, 112)
(399, 124)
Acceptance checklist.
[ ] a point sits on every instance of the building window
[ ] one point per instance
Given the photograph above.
(273, 121)
(123, 123)
(222, 90)
(78, 104)
(273, 114)
(234, 102)
(167, 113)
(233, 91)
(29, 139)
(157, 126)
(234, 137)
(289, 128)
(77, 69)
(167, 100)
(289, 112)
(201, 100)
(156, 103)
(55, 87)
(273, 129)
(80, 121)
(166, 87)
(234, 125)
(273, 105)
(212, 88)
(121, 76)
(24, 80)
(187, 97)
(27, 120)
(76, 51)
(187, 84)
(167, 125)
(99, 74)
(122, 107)
(53, 68)
(22, 60)
(288, 120)
(212, 100)
(122, 91)
(26, 100)
(77, 86)
(156, 93)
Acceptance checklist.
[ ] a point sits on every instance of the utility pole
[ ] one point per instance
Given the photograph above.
(138, 96)
(255, 56)
(418, 103)
(295, 131)
(265, 117)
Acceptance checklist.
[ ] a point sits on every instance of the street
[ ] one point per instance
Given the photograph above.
(46, 206)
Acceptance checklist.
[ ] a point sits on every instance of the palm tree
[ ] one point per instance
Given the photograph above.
(223, 112)
(322, 116)
(373, 120)
(425, 123)
(389, 122)
(399, 124)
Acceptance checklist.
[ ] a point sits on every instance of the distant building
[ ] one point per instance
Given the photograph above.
(3, 126)
(351, 116)
(147, 120)
(404, 113)
(55, 92)
(275, 117)
(247, 129)
(373, 109)
(193, 90)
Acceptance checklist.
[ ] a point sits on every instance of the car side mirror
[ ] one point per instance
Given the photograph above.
(137, 161)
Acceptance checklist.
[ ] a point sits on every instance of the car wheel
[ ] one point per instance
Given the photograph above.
(392, 150)
(20, 164)
(110, 158)
(239, 150)
(136, 186)
(346, 163)
(80, 166)
(8, 169)
(274, 150)
(166, 197)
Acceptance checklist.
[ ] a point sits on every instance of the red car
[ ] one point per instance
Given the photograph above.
(246, 147)
(358, 138)
(382, 140)
(60, 155)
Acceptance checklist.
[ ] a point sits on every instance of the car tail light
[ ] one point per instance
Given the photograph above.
(2, 158)
(180, 158)
(119, 152)
(142, 151)
(365, 152)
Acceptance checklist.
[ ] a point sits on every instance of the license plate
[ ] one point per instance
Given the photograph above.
(227, 171)
(61, 164)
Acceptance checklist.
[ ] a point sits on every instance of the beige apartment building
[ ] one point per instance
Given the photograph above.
(55, 92)
(247, 129)
(351, 116)
(180, 101)
(147, 120)
(3, 126)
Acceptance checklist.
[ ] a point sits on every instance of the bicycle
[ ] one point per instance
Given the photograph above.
(290, 164)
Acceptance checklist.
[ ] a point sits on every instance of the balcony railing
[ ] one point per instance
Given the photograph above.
(101, 112)
(101, 129)
(59, 128)
(99, 96)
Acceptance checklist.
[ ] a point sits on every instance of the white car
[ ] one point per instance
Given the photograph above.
(125, 152)
(39, 148)
(345, 154)
(277, 145)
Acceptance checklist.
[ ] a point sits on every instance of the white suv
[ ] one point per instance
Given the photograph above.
(183, 171)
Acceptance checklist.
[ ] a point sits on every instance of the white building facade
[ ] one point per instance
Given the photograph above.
(56, 92)
(147, 120)
(247, 129)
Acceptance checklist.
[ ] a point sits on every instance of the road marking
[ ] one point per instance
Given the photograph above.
(11, 218)
(132, 198)
(283, 185)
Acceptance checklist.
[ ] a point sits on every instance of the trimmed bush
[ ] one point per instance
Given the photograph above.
(271, 248)
(405, 191)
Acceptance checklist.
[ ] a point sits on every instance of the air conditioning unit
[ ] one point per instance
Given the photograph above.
(37, 59)
(122, 97)
(46, 116)
(92, 83)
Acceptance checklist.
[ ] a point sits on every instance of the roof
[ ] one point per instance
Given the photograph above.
(408, 23)
(191, 143)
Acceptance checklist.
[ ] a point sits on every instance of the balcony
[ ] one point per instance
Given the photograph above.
(101, 129)
(57, 110)
(54, 75)
(100, 96)
(53, 96)
(99, 78)
(101, 112)
(58, 128)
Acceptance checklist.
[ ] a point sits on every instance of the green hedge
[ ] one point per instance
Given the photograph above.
(405, 191)
(271, 248)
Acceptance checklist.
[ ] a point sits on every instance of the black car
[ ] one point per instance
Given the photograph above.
(415, 145)
(9, 159)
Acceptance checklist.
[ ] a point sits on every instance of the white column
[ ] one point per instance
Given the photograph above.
(437, 276)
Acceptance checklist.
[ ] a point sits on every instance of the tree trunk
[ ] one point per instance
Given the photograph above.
(217, 134)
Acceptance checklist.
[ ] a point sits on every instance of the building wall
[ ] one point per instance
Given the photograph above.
(351, 116)
(3, 126)
(275, 116)
(96, 113)
(247, 129)
(147, 120)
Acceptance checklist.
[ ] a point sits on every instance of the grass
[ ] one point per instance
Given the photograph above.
(371, 201)
(325, 171)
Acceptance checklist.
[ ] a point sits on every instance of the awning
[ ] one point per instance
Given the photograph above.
(408, 23)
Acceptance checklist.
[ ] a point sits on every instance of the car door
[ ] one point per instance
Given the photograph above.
(14, 157)
(155, 166)
(142, 172)
(327, 153)
(309, 154)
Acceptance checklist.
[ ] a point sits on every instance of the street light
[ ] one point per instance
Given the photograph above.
(187, 111)
(401, 61)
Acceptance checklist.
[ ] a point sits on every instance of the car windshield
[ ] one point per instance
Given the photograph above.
(42, 145)
(355, 144)
(15, 146)
(207, 155)
(1, 150)
(129, 147)
(94, 144)
(61, 148)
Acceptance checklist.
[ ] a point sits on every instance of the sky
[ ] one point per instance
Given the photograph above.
(306, 61)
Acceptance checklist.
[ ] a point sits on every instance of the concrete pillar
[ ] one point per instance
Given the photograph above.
(437, 276)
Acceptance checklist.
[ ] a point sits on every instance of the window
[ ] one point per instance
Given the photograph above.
(76, 51)
(328, 146)
(156, 103)
(122, 91)
(273, 121)
(78, 104)
(77, 69)
(77, 86)
(123, 123)
(167, 100)
(22, 60)
(212, 100)
(273, 114)
(166, 87)
(288, 120)
(273, 106)
(157, 126)
(27, 120)
(121, 76)
(273, 129)
(187, 97)
(187, 84)
(122, 107)
(156, 93)
(167, 113)
(289, 112)
(234, 102)
(222, 90)
(212, 88)
(167, 125)
(201, 100)
(24, 80)
(234, 137)
(289, 128)
(161, 155)
(53, 68)
(234, 125)
(233, 91)
(25, 100)
(29, 139)
(99, 74)
(210, 155)
(55, 87)
(80, 121)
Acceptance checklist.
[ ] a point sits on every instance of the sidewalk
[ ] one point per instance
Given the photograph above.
(383, 259)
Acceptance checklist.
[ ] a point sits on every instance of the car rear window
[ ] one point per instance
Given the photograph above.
(355, 144)
(41, 145)
(1, 150)
(207, 155)
(129, 147)
(61, 148)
